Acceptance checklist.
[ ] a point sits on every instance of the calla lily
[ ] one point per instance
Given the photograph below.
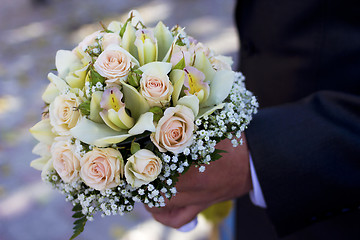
(43, 150)
(177, 78)
(39, 163)
(76, 79)
(220, 88)
(191, 102)
(50, 93)
(136, 18)
(134, 101)
(156, 68)
(203, 64)
(115, 27)
(171, 49)
(194, 82)
(147, 46)
(145, 123)
(59, 83)
(114, 113)
(209, 110)
(101, 135)
(98, 131)
(64, 61)
(42, 131)
(164, 39)
(129, 39)
(95, 108)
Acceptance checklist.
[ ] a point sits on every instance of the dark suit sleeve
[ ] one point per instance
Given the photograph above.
(307, 158)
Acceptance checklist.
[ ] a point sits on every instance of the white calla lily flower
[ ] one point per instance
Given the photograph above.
(42, 131)
(190, 101)
(64, 61)
(220, 88)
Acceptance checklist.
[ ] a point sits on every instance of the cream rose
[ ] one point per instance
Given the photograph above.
(66, 161)
(102, 168)
(174, 131)
(142, 167)
(157, 90)
(89, 40)
(113, 63)
(110, 39)
(63, 113)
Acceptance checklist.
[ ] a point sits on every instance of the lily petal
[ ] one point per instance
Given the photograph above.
(220, 87)
(50, 93)
(98, 131)
(209, 110)
(177, 78)
(191, 102)
(39, 163)
(129, 39)
(42, 131)
(156, 68)
(64, 61)
(145, 123)
(203, 64)
(76, 79)
(164, 38)
(60, 84)
(95, 107)
(134, 101)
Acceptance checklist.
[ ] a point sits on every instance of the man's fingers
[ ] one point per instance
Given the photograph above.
(178, 217)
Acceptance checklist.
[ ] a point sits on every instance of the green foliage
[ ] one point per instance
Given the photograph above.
(95, 77)
(216, 154)
(158, 113)
(134, 147)
(85, 108)
(105, 28)
(180, 65)
(79, 224)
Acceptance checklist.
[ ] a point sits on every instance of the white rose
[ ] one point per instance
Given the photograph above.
(102, 168)
(142, 167)
(64, 114)
(66, 161)
(174, 131)
(113, 63)
(157, 90)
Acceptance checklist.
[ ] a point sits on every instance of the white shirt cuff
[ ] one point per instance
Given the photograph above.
(256, 195)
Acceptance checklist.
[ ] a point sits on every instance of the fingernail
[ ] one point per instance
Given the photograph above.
(189, 226)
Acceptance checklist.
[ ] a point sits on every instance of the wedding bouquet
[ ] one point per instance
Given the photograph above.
(129, 110)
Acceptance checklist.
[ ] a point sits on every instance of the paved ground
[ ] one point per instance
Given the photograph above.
(29, 38)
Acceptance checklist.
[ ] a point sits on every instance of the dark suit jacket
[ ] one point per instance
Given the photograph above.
(302, 60)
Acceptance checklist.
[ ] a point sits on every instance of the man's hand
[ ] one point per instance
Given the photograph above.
(224, 179)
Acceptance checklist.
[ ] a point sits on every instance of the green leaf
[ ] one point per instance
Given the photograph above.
(77, 208)
(133, 80)
(158, 113)
(105, 28)
(134, 147)
(216, 154)
(122, 31)
(95, 77)
(78, 215)
(150, 146)
(79, 224)
(180, 65)
(85, 108)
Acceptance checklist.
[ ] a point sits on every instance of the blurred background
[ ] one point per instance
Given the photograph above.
(30, 34)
